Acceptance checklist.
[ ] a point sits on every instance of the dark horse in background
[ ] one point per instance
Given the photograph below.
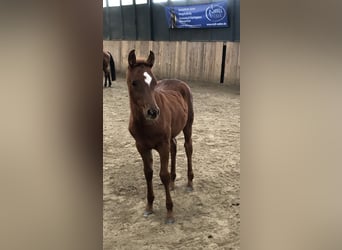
(159, 112)
(108, 68)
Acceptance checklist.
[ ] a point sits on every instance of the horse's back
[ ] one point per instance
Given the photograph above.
(170, 85)
(174, 85)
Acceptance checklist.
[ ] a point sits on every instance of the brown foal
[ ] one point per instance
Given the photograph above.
(159, 112)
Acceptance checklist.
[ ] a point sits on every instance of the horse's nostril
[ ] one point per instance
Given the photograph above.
(153, 113)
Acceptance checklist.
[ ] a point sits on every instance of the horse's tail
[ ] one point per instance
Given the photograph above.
(112, 67)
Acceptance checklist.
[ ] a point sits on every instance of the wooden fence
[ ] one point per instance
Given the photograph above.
(194, 61)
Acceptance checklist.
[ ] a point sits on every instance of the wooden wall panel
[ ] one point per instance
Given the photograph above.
(194, 61)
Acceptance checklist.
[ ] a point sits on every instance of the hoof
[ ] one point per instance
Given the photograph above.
(169, 221)
(189, 189)
(147, 213)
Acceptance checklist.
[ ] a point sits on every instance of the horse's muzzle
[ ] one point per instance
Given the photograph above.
(152, 113)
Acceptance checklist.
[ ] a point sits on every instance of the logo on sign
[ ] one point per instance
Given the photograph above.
(215, 13)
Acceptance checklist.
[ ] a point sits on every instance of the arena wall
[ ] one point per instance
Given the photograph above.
(185, 60)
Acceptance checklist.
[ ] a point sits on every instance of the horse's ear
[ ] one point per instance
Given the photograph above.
(131, 58)
(150, 59)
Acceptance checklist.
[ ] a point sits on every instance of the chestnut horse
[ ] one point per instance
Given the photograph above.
(108, 68)
(159, 112)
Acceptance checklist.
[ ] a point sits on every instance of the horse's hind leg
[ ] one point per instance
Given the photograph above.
(107, 77)
(105, 85)
(146, 155)
(173, 162)
(109, 81)
(188, 149)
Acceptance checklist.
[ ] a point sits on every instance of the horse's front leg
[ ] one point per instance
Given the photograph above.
(164, 151)
(146, 155)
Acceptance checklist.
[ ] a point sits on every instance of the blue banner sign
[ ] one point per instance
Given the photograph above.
(212, 15)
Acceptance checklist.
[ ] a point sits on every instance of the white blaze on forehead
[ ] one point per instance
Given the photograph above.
(148, 78)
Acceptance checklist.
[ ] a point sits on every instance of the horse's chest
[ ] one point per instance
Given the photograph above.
(149, 136)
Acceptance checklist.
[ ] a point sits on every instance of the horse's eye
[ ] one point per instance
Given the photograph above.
(135, 83)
